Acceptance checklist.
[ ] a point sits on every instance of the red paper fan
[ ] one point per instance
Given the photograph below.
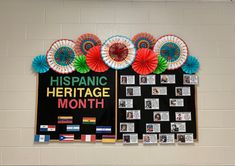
(145, 62)
(95, 61)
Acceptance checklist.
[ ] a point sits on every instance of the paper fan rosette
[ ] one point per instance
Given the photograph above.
(61, 56)
(145, 62)
(173, 49)
(144, 40)
(39, 64)
(86, 42)
(118, 52)
(81, 65)
(191, 66)
(161, 66)
(95, 61)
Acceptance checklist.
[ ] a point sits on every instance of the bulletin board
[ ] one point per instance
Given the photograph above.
(147, 116)
(48, 110)
(123, 89)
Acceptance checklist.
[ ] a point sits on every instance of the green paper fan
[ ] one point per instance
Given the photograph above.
(161, 66)
(80, 64)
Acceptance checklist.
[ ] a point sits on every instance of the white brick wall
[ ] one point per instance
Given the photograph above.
(27, 28)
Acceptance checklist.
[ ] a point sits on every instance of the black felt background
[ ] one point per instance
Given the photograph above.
(48, 112)
(147, 115)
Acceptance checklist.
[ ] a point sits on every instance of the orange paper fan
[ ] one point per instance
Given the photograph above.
(95, 61)
(145, 62)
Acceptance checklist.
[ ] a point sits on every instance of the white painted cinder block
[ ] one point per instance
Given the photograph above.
(43, 31)
(98, 15)
(20, 156)
(62, 15)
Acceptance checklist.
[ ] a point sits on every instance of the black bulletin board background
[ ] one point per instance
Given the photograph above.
(147, 115)
(47, 111)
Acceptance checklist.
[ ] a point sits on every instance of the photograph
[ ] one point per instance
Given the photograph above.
(127, 127)
(129, 115)
(151, 103)
(161, 116)
(183, 116)
(159, 90)
(153, 128)
(147, 79)
(190, 79)
(123, 127)
(178, 127)
(176, 102)
(149, 139)
(182, 91)
(167, 79)
(149, 128)
(127, 79)
(157, 117)
(126, 138)
(133, 114)
(143, 79)
(133, 91)
(125, 103)
(148, 104)
(130, 138)
(129, 91)
(166, 138)
(123, 80)
(185, 138)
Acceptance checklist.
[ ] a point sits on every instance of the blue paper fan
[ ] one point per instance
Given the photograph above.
(39, 64)
(191, 66)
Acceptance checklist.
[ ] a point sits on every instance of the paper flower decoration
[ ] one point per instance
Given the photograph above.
(95, 61)
(61, 56)
(39, 64)
(86, 42)
(118, 52)
(173, 49)
(145, 62)
(80, 64)
(144, 40)
(161, 66)
(191, 66)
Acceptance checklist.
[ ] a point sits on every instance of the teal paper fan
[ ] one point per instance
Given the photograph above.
(39, 64)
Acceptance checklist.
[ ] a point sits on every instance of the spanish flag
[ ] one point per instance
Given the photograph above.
(89, 120)
(108, 139)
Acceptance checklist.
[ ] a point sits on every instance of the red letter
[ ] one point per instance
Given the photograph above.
(62, 103)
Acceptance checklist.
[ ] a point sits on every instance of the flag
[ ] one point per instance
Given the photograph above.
(47, 127)
(108, 138)
(41, 138)
(103, 129)
(88, 138)
(73, 128)
(66, 137)
(89, 120)
(65, 120)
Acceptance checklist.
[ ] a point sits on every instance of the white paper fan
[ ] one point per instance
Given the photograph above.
(173, 49)
(61, 56)
(118, 52)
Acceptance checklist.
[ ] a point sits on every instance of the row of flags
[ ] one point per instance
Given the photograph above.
(76, 128)
(69, 120)
(70, 138)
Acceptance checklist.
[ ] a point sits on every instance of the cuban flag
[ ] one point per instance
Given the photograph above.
(103, 129)
(66, 137)
(41, 138)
